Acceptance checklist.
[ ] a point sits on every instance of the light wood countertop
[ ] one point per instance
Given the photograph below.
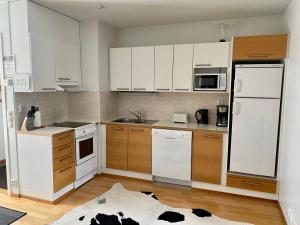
(46, 131)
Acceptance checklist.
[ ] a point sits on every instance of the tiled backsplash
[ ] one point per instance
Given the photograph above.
(53, 106)
(162, 106)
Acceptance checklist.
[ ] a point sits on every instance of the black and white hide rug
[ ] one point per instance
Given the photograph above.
(119, 206)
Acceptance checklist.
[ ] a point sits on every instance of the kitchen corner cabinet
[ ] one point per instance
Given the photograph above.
(211, 55)
(207, 157)
(128, 148)
(164, 68)
(143, 68)
(140, 150)
(35, 32)
(46, 164)
(120, 69)
(116, 147)
(267, 47)
(183, 68)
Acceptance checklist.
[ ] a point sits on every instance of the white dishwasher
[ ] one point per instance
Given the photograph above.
(171, 154)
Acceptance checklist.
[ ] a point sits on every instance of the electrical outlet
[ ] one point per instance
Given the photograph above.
(14, 182)
(21, 108)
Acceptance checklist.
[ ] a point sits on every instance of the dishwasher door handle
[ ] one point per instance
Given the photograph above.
(171, 138)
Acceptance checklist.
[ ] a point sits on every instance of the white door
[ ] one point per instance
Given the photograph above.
(143, 68)
(183, 68)
(258, 82)
(67, 63)
(163, 68)
(254, 136)
(211, 54)
(120, 69)
(42, 63)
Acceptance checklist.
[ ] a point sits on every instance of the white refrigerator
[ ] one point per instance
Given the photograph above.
(255, 119)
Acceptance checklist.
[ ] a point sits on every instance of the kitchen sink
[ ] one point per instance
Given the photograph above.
(140, 121)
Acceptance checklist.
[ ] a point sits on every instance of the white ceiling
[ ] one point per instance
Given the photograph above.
(125, 13)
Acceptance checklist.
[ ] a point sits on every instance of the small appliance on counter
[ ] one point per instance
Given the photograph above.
(180, 118)
(222, 115)
(202, 116)
(32, 119)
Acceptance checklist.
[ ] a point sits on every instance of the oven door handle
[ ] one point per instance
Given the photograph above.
(85, 137)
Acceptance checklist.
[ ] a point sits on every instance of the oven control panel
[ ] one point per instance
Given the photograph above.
(86, 130)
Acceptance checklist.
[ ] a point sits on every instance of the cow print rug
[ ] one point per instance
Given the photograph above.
(119, 206)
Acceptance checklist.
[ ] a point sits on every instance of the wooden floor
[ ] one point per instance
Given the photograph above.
(232, 207)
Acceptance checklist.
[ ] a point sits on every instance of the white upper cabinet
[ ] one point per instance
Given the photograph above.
(183, 68)
(120, 69)
(211, 54)
(163, 68)
(30, 23)
(43, 64)
(67, 61)
(143, 68)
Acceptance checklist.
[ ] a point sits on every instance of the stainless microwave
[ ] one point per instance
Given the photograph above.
(210, 81)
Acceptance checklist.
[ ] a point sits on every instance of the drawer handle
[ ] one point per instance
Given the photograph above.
(139, 89)
(64, 170)
(64, 137)
(64, 78)
(63, 147)
(250, 183)
(260, 55)
(68, 157)
(137, 130)
(123, 89)
(162, 89)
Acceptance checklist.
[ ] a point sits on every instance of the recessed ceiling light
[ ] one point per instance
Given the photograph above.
(99, 6)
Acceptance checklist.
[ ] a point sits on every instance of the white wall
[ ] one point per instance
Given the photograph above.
(289, 194)
(205, 31)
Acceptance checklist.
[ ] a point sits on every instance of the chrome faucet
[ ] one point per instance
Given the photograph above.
(137, 113)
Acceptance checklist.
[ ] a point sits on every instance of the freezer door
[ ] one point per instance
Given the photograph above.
(254, 136)
(258, 82)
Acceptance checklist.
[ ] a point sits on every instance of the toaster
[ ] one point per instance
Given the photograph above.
(180, 118)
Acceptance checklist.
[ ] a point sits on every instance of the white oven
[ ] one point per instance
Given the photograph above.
(85, 148)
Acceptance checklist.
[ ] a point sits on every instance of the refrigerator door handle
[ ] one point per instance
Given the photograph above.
(236, 108)
(237, 85)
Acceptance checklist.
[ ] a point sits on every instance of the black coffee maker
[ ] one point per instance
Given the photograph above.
(222, 115)
(202, 116)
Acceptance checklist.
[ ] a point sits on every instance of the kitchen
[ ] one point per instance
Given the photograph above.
(126, 89)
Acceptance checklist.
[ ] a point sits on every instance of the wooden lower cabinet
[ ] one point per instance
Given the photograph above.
(140, 150)
(252, 183)
(116, 146)
(207, 156)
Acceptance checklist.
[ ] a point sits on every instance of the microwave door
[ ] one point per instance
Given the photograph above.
(207, 82)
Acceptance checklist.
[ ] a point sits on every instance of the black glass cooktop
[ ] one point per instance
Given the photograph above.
(70, 124)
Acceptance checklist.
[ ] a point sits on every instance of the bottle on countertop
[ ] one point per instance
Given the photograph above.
(37, 118)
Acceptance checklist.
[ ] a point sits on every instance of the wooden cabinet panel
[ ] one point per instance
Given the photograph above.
(63, 139)
(63, 161)
(267, 47)
(207, 157)
(252, 183)
(116, 147)
(63, 150)
(140, 150)
(63, 177)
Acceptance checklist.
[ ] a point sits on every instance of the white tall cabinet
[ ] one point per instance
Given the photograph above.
(143, 68)
(164, 68)
(120, 69)
(183, 68)
(46, 46)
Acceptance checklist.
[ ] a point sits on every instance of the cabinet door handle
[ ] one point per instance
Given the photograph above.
(182, 89)
(216, 136)
(63, 170)
(64, 137)
(64, 78)
(123, 89)
(137, 130)
(139, 89)
(200, 65)
(162, 89)
(259, 55)
(250, 183)
(237, 85)
(49, 89)
(63, 148)
(117, 128)
(236, 108)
